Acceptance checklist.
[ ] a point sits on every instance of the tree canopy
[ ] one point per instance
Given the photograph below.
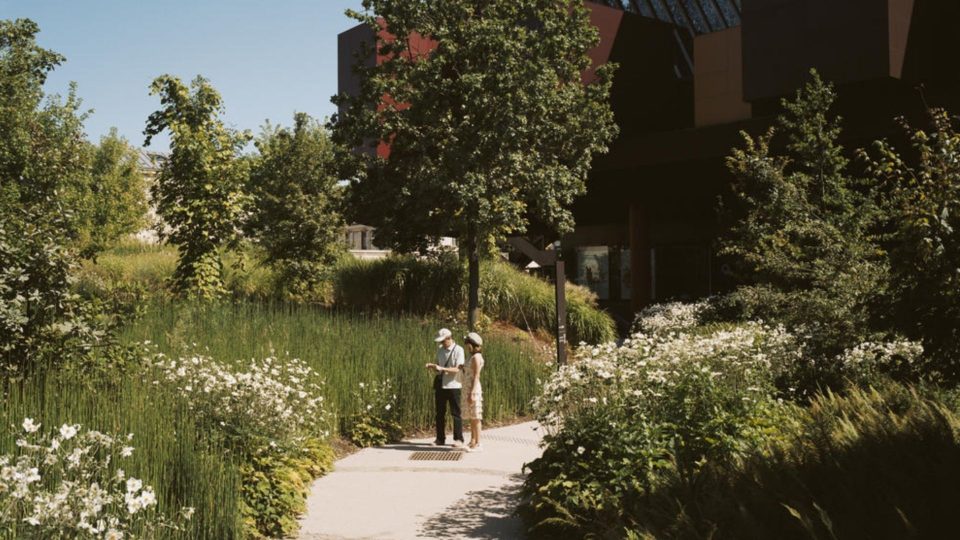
(920, 200)
(488, 117)
(797, 227)
(199, 189)
(296, 218)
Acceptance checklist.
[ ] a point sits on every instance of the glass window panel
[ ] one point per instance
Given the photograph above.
(593, 269)
(676, 13)
(692, 10)
(713, 15)
(731, 10)
(661, 10)
(643, 7)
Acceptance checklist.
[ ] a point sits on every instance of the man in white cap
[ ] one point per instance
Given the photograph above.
(446, 386)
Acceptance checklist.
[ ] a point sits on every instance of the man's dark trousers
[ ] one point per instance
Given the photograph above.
(444, 396)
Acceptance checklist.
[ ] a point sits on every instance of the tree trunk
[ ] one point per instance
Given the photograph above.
(473, 298)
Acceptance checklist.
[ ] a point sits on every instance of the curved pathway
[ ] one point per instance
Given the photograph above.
(382, 493)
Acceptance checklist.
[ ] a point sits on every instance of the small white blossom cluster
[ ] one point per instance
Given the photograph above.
(377, 398)
(376, 418)
(870, 357)
(670, 317)
(66, 484)
(272, 404)
(741, 361)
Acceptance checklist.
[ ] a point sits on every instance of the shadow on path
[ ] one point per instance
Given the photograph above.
(417, 447)
(483, 514)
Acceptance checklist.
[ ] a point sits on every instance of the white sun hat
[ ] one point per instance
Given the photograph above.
(443, 334)
(474, 338)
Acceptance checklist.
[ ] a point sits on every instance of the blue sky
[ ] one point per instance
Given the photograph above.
(268, 58)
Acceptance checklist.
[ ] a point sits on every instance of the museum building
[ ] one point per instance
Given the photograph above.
(692, 75)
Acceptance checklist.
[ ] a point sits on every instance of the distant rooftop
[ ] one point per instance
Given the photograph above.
(697, 16)
(149, 161)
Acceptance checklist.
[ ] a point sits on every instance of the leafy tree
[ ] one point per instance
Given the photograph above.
(44, 155)
(797, 228)
(491, 128)
(44, 181)
(42, 322)
(921, 204)
(199, 188)
(297, 212)
(118, 201)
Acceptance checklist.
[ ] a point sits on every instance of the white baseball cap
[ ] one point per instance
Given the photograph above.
(474, 338)
(443, 334)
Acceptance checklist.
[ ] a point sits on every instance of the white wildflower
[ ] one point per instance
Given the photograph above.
(68, 432)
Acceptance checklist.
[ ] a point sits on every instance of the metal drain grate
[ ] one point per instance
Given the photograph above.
(514, 440)
(436, 456)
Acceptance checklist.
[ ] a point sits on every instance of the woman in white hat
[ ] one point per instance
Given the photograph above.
(472, 391)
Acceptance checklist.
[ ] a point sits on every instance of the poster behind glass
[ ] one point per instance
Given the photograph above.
(593, 269)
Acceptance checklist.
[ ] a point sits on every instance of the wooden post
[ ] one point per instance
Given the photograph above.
(551, 258)
(561, 283)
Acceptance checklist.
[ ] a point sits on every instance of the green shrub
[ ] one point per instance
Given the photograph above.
(274, 489)
(797, 226)
(680, 433)
(44, 324)
(919, 190)
(296, 215)
(375, 422)
(624, 421)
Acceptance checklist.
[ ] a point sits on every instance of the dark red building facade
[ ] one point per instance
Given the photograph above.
(693, 74)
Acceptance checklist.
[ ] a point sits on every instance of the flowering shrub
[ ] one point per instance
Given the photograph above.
(868, 361)
(625, 420)
(735, 365)
(67, 484)
(666, 318)
(376, 421)
(271, 406)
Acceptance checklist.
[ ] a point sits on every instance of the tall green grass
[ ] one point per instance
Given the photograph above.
(147, 267)
(395, 285)
(346, 349)
(508, 294)
(410, 285)
(876, 463)
(129, 264)
(399, 284)
(168, 456)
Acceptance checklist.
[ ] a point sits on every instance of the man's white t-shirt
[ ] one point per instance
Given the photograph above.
(450, 358)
